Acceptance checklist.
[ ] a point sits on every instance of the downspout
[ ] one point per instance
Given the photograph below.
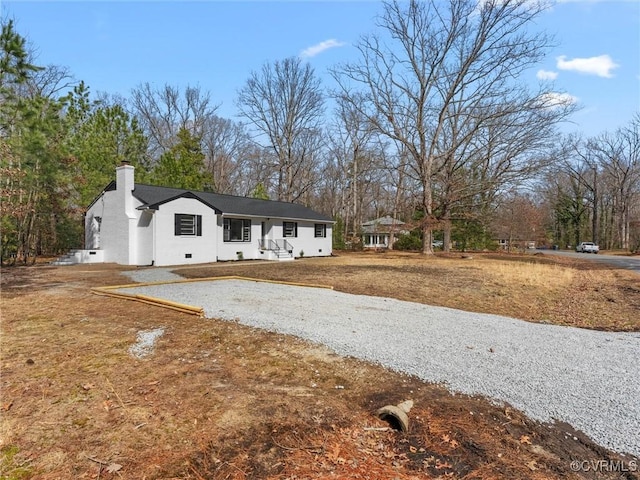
(100, 241)
(153, 243)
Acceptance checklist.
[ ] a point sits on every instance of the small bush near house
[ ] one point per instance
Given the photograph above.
(472, 235)
(409, 241)
(338, 234)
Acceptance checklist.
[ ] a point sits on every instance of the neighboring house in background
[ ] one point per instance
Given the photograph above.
(515, 244)
(133, 224)
(381, 232)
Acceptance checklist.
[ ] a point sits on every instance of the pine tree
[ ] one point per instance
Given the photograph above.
(183, 165)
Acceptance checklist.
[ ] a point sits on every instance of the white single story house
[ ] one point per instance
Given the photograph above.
(381, 232)
(134, 224)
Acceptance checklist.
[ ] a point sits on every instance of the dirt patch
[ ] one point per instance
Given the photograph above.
(219, 400)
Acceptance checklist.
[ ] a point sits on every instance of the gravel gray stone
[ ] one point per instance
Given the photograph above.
(150, 275)
(145, 342)
(586, 378)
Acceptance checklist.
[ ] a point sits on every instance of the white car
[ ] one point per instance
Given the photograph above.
(587, 247)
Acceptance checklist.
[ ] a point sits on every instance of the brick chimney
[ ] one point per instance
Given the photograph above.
(125, 183)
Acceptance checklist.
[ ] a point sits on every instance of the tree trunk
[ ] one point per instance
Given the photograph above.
(354, 190)
(594, 225)
(446, 240)
(427, 221)
(624, 233)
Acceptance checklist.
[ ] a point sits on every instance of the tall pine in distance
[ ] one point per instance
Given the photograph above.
(182, 166)
(100, 136)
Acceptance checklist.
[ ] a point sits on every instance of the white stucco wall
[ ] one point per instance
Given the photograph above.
(145, 227)
(91, 232)
(88, 256)
(129, 215)
(306, 244)
(171, 249)
(117, 208)
(117, 234)
(229, 250)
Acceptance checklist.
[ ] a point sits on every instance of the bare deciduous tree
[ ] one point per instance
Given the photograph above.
(518, 220)
(566, 194)
(604, 175)
(50, 82)
(577, 159)
(350, 146)
(444, 73)
(619, 158)
(498, 149)
(163, 112)
(284, 102)
(226, 145)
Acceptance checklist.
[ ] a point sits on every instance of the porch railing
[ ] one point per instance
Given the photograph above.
(279, 245)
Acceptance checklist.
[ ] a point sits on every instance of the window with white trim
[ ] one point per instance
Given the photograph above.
(320, 230)
(186, 225)
(237, 230)
(290, 229)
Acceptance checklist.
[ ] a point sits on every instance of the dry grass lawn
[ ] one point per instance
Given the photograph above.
(217, 400)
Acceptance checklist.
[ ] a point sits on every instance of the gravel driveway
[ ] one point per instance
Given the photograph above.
(586, 378)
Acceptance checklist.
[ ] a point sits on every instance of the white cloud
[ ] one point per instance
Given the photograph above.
(600, 66)
(320, 47)
(546, 75)
(557, 99)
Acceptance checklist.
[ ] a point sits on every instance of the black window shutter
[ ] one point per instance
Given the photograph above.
(199, 225)
(176, 224)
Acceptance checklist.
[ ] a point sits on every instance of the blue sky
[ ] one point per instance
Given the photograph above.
(115, 46)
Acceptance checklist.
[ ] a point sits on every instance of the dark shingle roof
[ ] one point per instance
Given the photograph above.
(152, 197)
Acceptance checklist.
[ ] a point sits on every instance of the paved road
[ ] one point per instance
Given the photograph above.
(617, 261)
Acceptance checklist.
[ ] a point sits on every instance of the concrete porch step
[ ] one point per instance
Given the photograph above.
(61, 261)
